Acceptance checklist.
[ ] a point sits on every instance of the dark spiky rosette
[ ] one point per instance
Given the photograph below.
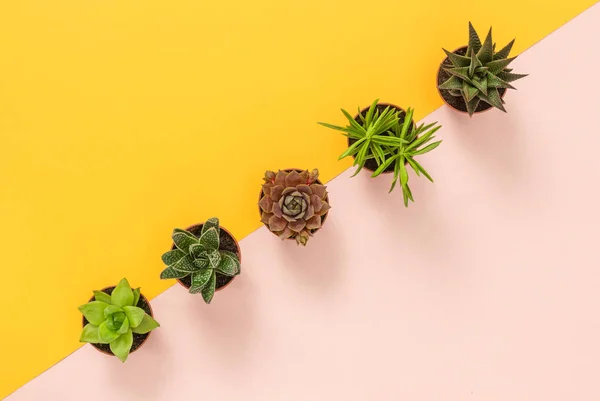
(479, 74)
(293, 203)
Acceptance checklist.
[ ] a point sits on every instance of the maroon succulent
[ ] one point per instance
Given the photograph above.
(293, 203)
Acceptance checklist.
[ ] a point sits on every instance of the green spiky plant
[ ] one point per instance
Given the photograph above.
(201, 258)
(479, 74)
(113, 319)
(415, 141)
(371, 135)
(389, 141)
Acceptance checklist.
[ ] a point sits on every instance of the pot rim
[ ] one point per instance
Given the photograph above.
(143, 341)
(440, 90)
(239, 252)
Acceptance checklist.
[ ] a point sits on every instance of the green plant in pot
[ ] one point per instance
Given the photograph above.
(117, 320)
(383, 138)
(204, 258)
(293, 204)
(474, 78)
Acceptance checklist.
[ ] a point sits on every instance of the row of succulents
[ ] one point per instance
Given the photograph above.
(293, 203)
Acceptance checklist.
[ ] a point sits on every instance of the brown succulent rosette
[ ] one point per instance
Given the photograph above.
(293, 204)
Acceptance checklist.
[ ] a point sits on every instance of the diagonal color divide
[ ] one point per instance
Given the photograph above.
(485, 289)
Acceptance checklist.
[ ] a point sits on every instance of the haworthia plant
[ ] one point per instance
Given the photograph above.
(201, 258)
(479, 74)
(114, 318)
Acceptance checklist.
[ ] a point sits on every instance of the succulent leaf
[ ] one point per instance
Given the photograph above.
(146, 325)
(121, 345)
(209, 289)
(89, 334)
(213, 222)
(210, 239)
(102, 297)
(136, 296)
(183, 239)
(185, 264)
(171, 273)
(122, 294)
(107, 334)
(200, 279)
(474, 41)
(134, 315)
(214, 257)
(94, 311)
(229, 264)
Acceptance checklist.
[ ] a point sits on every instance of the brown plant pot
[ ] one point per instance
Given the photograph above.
(231, 245)
(323, 218)
(457, 103)
(138, 339)
(371, 164)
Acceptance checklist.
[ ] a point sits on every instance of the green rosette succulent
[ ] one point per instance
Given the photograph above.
(114, 318)
(478, 75)
(201, 258)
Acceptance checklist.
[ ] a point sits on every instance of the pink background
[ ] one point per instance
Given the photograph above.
(486, 288)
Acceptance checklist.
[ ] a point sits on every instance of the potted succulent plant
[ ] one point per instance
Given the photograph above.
(383, 138)
(474, 78)
(204, 258)
(293, 204)
(117, 320)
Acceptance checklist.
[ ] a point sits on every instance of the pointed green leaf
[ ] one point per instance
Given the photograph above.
(461, 72)
(493, 98)
(214, 258)
(427, 148)
(482, 85)
(474, 42)
(146, 325)
(210, 239)
(497, 66)
(122, 294)
(200, 279)
(230, 264)
(352, 149)
(105, 334)
(457, 60)
(360, 130)
(505, 51)
(111, 309)
(383, 166)
(122, 345)
(89, 334)
(94, 311)
(371, 111)
(125, 325)
(335, 127)
(494, 81)
(472, 105)
(452, 83)
(210, 223)
(486, 51)
(474, 64)
(102, 297)
(201, 262)
(183, 239)
(469, 91)
(510, 77)
(421, 169)
(209, 289)
(403, 172)
(172, 257)
(136, 296)
(134, 315)
(185, 264)
(170, 273)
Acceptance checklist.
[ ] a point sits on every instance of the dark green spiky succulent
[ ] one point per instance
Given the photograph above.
(479, 74)
(201, 258)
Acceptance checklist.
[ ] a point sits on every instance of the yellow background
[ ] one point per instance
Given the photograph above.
(121, 119)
